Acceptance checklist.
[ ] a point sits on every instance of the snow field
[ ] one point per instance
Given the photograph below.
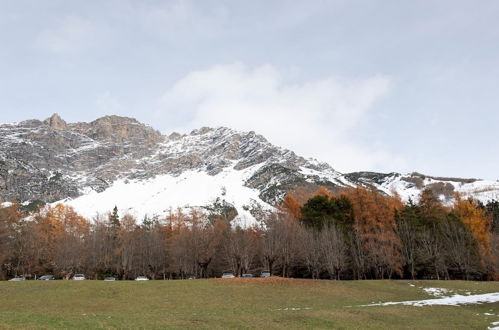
(156, 196)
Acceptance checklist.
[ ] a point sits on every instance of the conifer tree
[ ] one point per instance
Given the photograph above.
(114, 219)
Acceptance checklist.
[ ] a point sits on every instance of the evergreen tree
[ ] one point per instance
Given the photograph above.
(492, 208)
(320, 210)
(114, 219)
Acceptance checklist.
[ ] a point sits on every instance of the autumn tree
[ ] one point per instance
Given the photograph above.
(322, 191)
(459, 247)
(291, 205)
(12, 248)
(477, 220)
(431, 209)
(101, 249)
(207, 238)
(70, 231)
(127, 238)
(374, 217)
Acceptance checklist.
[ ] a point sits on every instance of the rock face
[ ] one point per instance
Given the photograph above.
(55, 122)
(51, 160)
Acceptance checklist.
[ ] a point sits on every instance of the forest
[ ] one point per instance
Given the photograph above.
(357, 233)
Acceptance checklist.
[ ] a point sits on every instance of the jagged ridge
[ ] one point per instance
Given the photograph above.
(118, 160)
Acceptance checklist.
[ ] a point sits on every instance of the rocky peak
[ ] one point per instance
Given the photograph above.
(53, 160)
(202, 131)
(56, 122)
(118, 129)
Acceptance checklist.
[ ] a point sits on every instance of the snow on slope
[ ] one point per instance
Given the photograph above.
(156, 196)
(482, 190)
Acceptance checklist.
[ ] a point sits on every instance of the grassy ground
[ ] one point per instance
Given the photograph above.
(237, 303)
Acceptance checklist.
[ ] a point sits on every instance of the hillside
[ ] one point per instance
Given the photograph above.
(120, 161)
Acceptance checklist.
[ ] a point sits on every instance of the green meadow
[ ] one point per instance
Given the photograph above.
(238, 303)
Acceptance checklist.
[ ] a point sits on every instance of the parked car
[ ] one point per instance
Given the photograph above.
(109, 279)
(265, 273)
(46, 278)
(17, 278)
(247, 275)
(228, 275)
(191, 277)
(141, 278)
(79, 277)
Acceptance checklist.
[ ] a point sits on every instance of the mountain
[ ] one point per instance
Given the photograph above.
(120, 161)
(409, 186)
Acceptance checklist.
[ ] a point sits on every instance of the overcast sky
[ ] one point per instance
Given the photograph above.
(364, 85)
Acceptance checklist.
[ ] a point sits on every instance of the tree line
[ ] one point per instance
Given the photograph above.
(356, 234)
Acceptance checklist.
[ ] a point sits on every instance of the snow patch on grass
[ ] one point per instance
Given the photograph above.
(494, 326)
(454, 300)
(292, 309)
(437, 292)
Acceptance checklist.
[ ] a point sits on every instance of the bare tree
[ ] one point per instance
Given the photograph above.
(333, 250)
(310, 250)
(460, 250)
(408, 236)
(431, 252)
(270, 242)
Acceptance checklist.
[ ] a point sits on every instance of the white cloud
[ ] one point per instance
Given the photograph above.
(72, 34)
(317, 118)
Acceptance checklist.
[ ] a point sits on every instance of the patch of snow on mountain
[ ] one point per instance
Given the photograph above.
(156, 196)
(481, 190)
(404, 189)
(327, 174)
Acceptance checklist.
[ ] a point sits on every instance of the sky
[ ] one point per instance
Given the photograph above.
(363, 85)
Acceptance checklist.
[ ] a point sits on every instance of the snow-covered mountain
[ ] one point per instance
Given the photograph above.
(119, 161)
(409, 186)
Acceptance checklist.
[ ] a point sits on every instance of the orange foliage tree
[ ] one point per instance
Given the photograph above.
(61, 232)
(322, 191)
(374, 223)
(294, 200)
(291, 205)
(478, 222)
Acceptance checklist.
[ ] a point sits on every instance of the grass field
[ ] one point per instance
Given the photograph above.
(237, 303)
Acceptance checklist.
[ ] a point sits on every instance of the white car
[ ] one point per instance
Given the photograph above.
(17, 278)
(141, 278)
(79, 277)
(228, 275)
(265, 273)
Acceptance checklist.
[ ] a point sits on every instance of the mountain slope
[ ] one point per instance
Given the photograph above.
(119, 161)
(409, 186)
